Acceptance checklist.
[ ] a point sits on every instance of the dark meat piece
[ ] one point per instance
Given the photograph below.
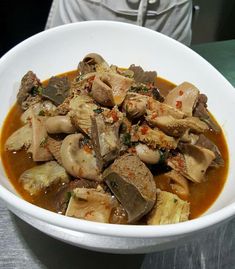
(57, 90)
(29, 82)
(132, 184)
(204, 142)
(202, 113)
(142, 76)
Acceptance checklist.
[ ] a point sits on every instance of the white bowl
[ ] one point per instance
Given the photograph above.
(59, 50)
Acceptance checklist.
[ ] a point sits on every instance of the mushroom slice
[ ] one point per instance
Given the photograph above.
(40, 151)
(90, 204)
(110, 89)
(135, 105)
(82, 108)
(177, 127)
(132, 184)
(105, 136)
(59, 124)
(42, 176)
(93, 62)
(147, 155)
(183, 97)
(169, 209)
(193, 162)
(78, 159)
(157, 109)
(153, 137)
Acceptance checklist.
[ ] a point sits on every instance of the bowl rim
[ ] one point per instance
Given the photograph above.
(114, 230)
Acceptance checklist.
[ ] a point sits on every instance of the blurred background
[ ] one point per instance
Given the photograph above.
(213, 20)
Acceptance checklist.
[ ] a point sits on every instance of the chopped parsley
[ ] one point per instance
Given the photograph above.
(98, 110)
(126, 139)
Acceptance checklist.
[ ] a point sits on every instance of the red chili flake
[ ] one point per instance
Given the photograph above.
(114, 115)
(178, 104)
(87, 148)
(144, 130)
(154, 116)
(181, 92)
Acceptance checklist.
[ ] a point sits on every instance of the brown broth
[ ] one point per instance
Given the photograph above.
(201, 197)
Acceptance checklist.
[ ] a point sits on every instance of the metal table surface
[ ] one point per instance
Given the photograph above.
(22, 246)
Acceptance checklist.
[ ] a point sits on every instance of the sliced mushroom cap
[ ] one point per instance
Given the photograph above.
(79, 160)
(147, 155)
(110, 89)
(183, 97)
(132, 184)
(59, 124)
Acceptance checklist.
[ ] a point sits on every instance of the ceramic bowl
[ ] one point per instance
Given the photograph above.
(59, 50)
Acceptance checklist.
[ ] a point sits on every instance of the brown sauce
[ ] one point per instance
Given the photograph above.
(201, 197)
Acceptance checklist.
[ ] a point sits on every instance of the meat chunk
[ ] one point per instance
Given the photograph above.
(169, 209)
(90, 204)
(40, 151)
(183, 97)
(158, 109)
(21, 138)
(42, 176)
(135, 105)
(177, 127)
(29, 82)
(82, 108)
(204, 142)
(141, 76)
(132, 184)
(192, 163)
(78, 158)
(105, 136)
(153, 137)
(178, 184)
(202, 113)
(57, 90)
(59, 124)
(54, 147)
(110, 89)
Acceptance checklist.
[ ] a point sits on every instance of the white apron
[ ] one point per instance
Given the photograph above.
(170, 17)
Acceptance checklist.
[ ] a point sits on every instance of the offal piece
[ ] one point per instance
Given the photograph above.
(78, 158)
(29, 82)
(42, 176)
(183, 97)
(105, 136)
(59, 124)
(90, 204)
(141, 76)
(21, 138)
(193, 162)
(132, 184)
(168, 209)
(177, 127)
(109, 89)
